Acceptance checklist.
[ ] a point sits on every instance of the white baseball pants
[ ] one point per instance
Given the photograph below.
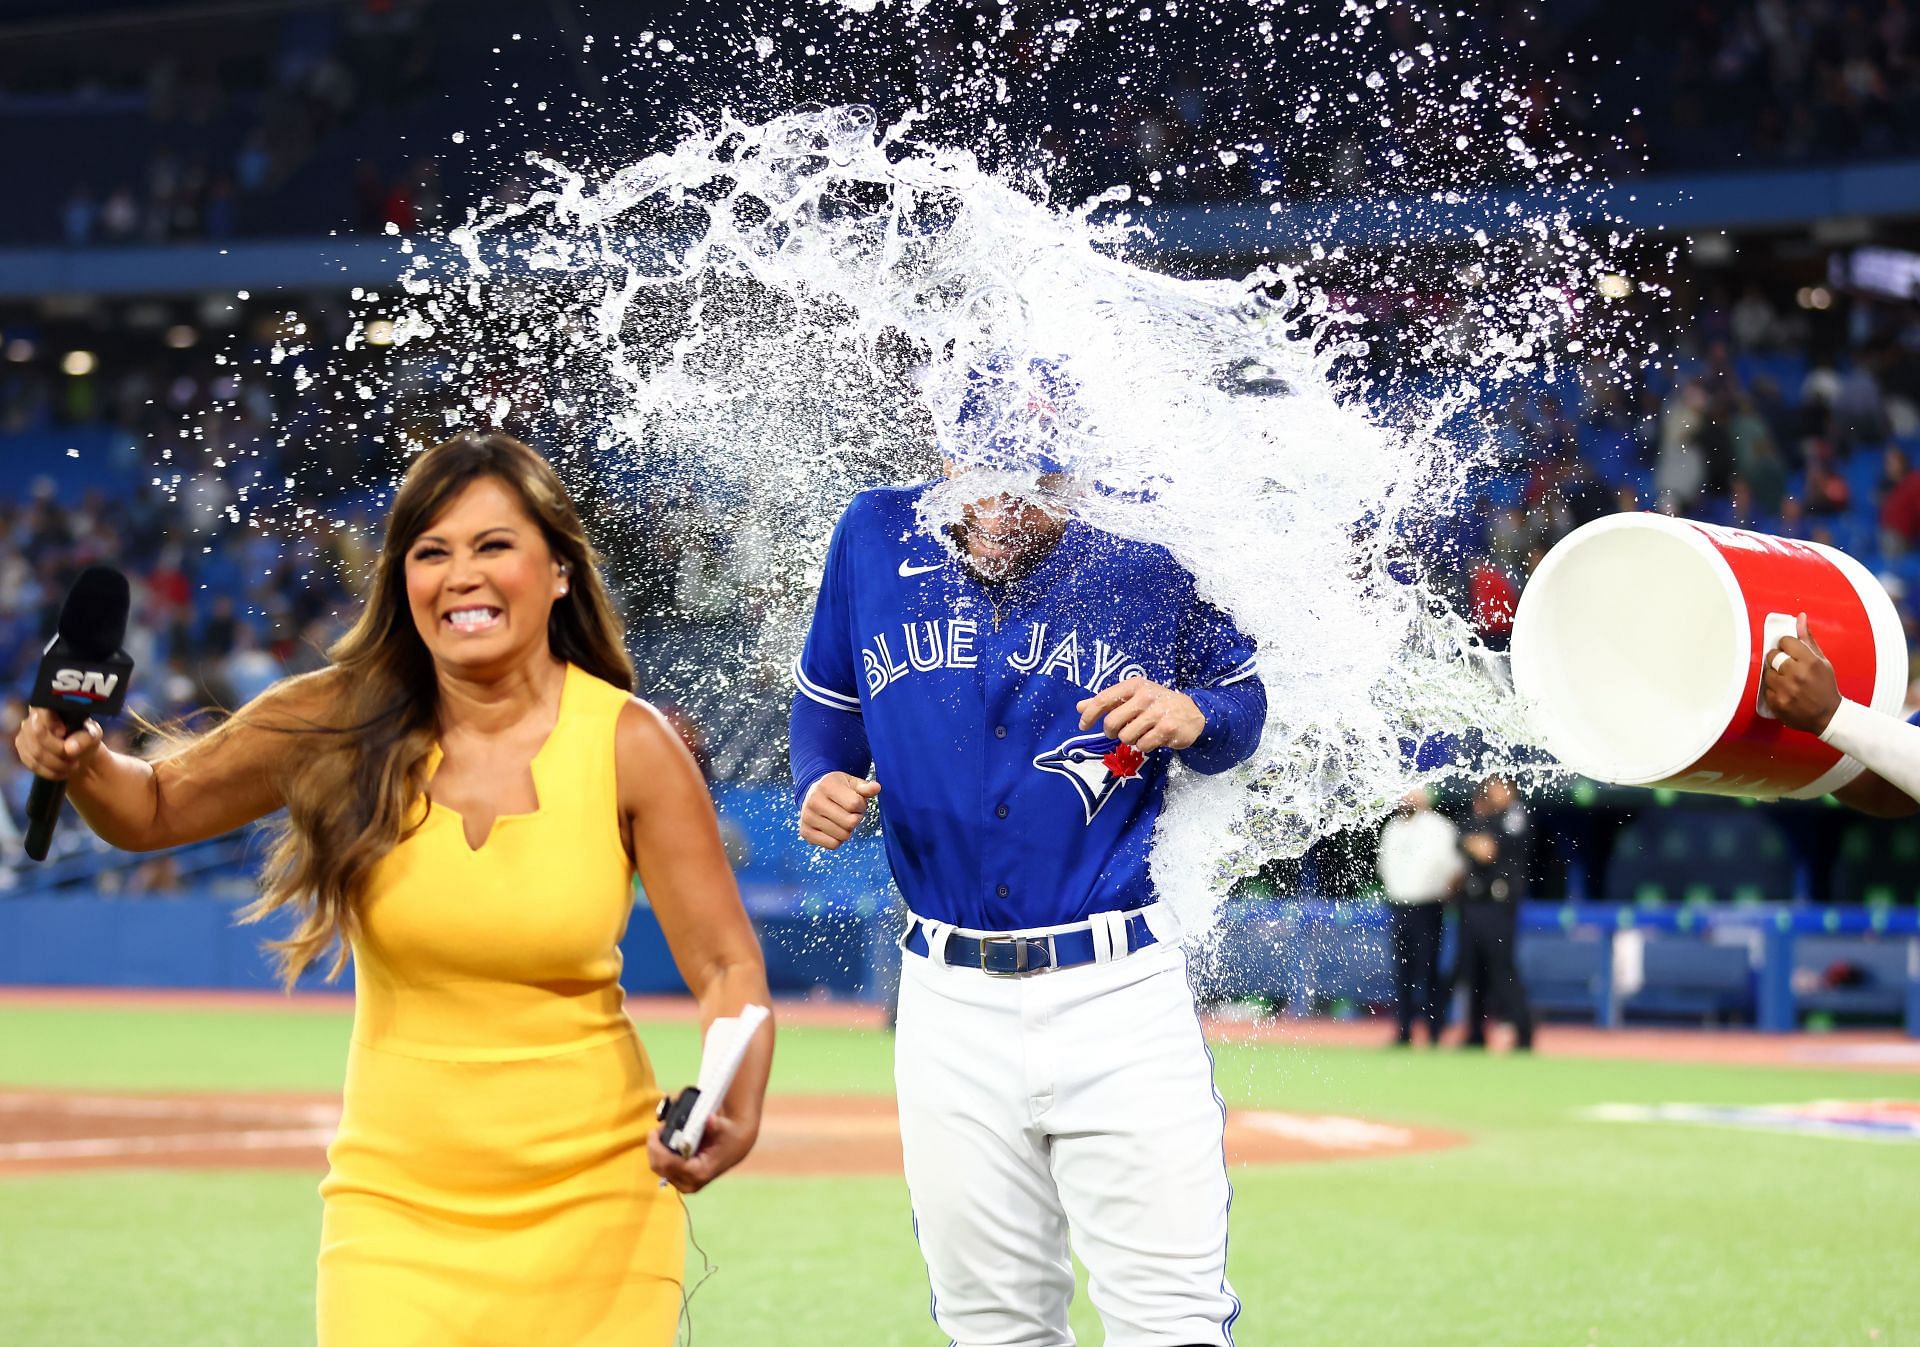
(1079, 1101)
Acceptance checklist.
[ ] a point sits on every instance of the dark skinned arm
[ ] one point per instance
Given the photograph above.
(1805, 693)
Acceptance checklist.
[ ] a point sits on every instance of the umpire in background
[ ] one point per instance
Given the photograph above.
(1420, 867)
(1497, 840)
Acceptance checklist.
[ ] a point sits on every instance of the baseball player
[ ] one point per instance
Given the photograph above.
(1022, 690)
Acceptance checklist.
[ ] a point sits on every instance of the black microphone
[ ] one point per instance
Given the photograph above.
(83, 673)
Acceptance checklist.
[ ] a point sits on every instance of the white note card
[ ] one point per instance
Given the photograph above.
(720, 1058)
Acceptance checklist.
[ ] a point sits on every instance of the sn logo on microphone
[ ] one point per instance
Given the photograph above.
(86, 684)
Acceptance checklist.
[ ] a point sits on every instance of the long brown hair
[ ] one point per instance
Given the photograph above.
(352, 791)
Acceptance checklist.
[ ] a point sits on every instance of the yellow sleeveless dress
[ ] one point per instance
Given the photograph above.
(489, 1185)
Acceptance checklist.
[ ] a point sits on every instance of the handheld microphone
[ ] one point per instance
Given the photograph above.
(83, 673)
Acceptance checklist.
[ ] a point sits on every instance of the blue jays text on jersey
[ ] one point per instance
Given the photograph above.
(1000, 812)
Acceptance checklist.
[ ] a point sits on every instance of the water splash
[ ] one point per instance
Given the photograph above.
(779, 309)
(789, 310)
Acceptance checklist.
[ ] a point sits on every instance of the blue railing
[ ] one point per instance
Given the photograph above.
(1767, 965)
(93, 868)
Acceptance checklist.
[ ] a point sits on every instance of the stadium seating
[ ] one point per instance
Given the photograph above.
(1699, 854)
(1565, 973)
(72, 461)
(1853, 977)
(1879, 864)
(1692, 979)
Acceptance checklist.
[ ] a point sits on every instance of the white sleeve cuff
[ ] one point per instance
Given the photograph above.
(1885, 745)
(1851, 721)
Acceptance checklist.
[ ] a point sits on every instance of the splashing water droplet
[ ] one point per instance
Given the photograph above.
(768, 315)
(789, 310)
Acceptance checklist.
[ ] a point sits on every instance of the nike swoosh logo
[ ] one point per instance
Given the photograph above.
(907, 568)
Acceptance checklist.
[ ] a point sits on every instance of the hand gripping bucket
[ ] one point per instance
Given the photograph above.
(1638, 644)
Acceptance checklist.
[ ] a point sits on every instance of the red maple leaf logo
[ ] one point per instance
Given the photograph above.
(1124, 760)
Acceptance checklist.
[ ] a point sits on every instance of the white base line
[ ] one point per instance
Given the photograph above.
(106, 1148)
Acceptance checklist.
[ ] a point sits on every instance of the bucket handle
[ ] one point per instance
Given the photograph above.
(1776, 626)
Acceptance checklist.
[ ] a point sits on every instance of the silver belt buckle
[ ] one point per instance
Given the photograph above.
(1021, 944)
(1019, 958)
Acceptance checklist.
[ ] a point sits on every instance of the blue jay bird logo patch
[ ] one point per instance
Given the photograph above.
(1096, 765)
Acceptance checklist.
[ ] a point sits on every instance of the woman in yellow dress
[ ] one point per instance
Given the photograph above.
(470, 789)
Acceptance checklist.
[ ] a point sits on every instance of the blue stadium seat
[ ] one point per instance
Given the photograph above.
(1787, 370)
(1860, 976)
(1862, 472)
(1506, 490)
(1689, 854)
(1879, 863)
(76, 459)
(1306, 962)
(782, 874)
(1614, 455)
(1563, 973)
(771, 850)
(1691, 979)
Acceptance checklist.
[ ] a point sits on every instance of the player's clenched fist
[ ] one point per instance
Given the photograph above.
(48, 751)
(1140, 712)
(834, 806)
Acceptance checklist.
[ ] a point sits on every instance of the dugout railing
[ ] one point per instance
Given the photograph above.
(1769, 966)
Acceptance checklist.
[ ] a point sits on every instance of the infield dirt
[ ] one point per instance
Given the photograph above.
(48, 1130)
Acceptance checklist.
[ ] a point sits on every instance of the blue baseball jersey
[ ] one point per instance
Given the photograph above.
(1000, 812)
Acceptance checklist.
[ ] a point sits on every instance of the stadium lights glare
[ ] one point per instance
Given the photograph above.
(19, 350)
(1814, 297)
(78, 363)
(380, 332)
(1614, 286)
(180, 336)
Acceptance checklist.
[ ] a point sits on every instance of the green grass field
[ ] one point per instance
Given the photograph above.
(1545, 1229)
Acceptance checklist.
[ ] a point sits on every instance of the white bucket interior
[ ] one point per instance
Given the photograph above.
(1631, 644)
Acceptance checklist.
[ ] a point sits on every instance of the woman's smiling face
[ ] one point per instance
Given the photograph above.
(481, 580)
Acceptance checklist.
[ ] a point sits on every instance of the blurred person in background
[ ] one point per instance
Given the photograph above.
(1899, 506)
(1826, 491)
(1420, 866)
(1493, 598)
(249, 669)
(1496, 841)
(1680, 472)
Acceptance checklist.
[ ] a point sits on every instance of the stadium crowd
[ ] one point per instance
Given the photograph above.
(1760, 428)
(1792, 415)
(1772, 422)
(270, 133)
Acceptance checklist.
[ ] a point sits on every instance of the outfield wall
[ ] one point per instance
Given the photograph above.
(1768, 966)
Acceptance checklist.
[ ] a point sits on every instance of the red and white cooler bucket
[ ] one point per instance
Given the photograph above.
(1638, 648)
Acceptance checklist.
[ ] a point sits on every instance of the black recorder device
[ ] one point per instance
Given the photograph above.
(675, 1113)
(83, 675)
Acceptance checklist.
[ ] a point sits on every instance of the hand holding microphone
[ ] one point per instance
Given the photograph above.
(83, 674)
(50, 750)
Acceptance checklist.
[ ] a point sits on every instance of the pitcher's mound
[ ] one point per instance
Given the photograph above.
(804, 1134)
(801, 1134)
